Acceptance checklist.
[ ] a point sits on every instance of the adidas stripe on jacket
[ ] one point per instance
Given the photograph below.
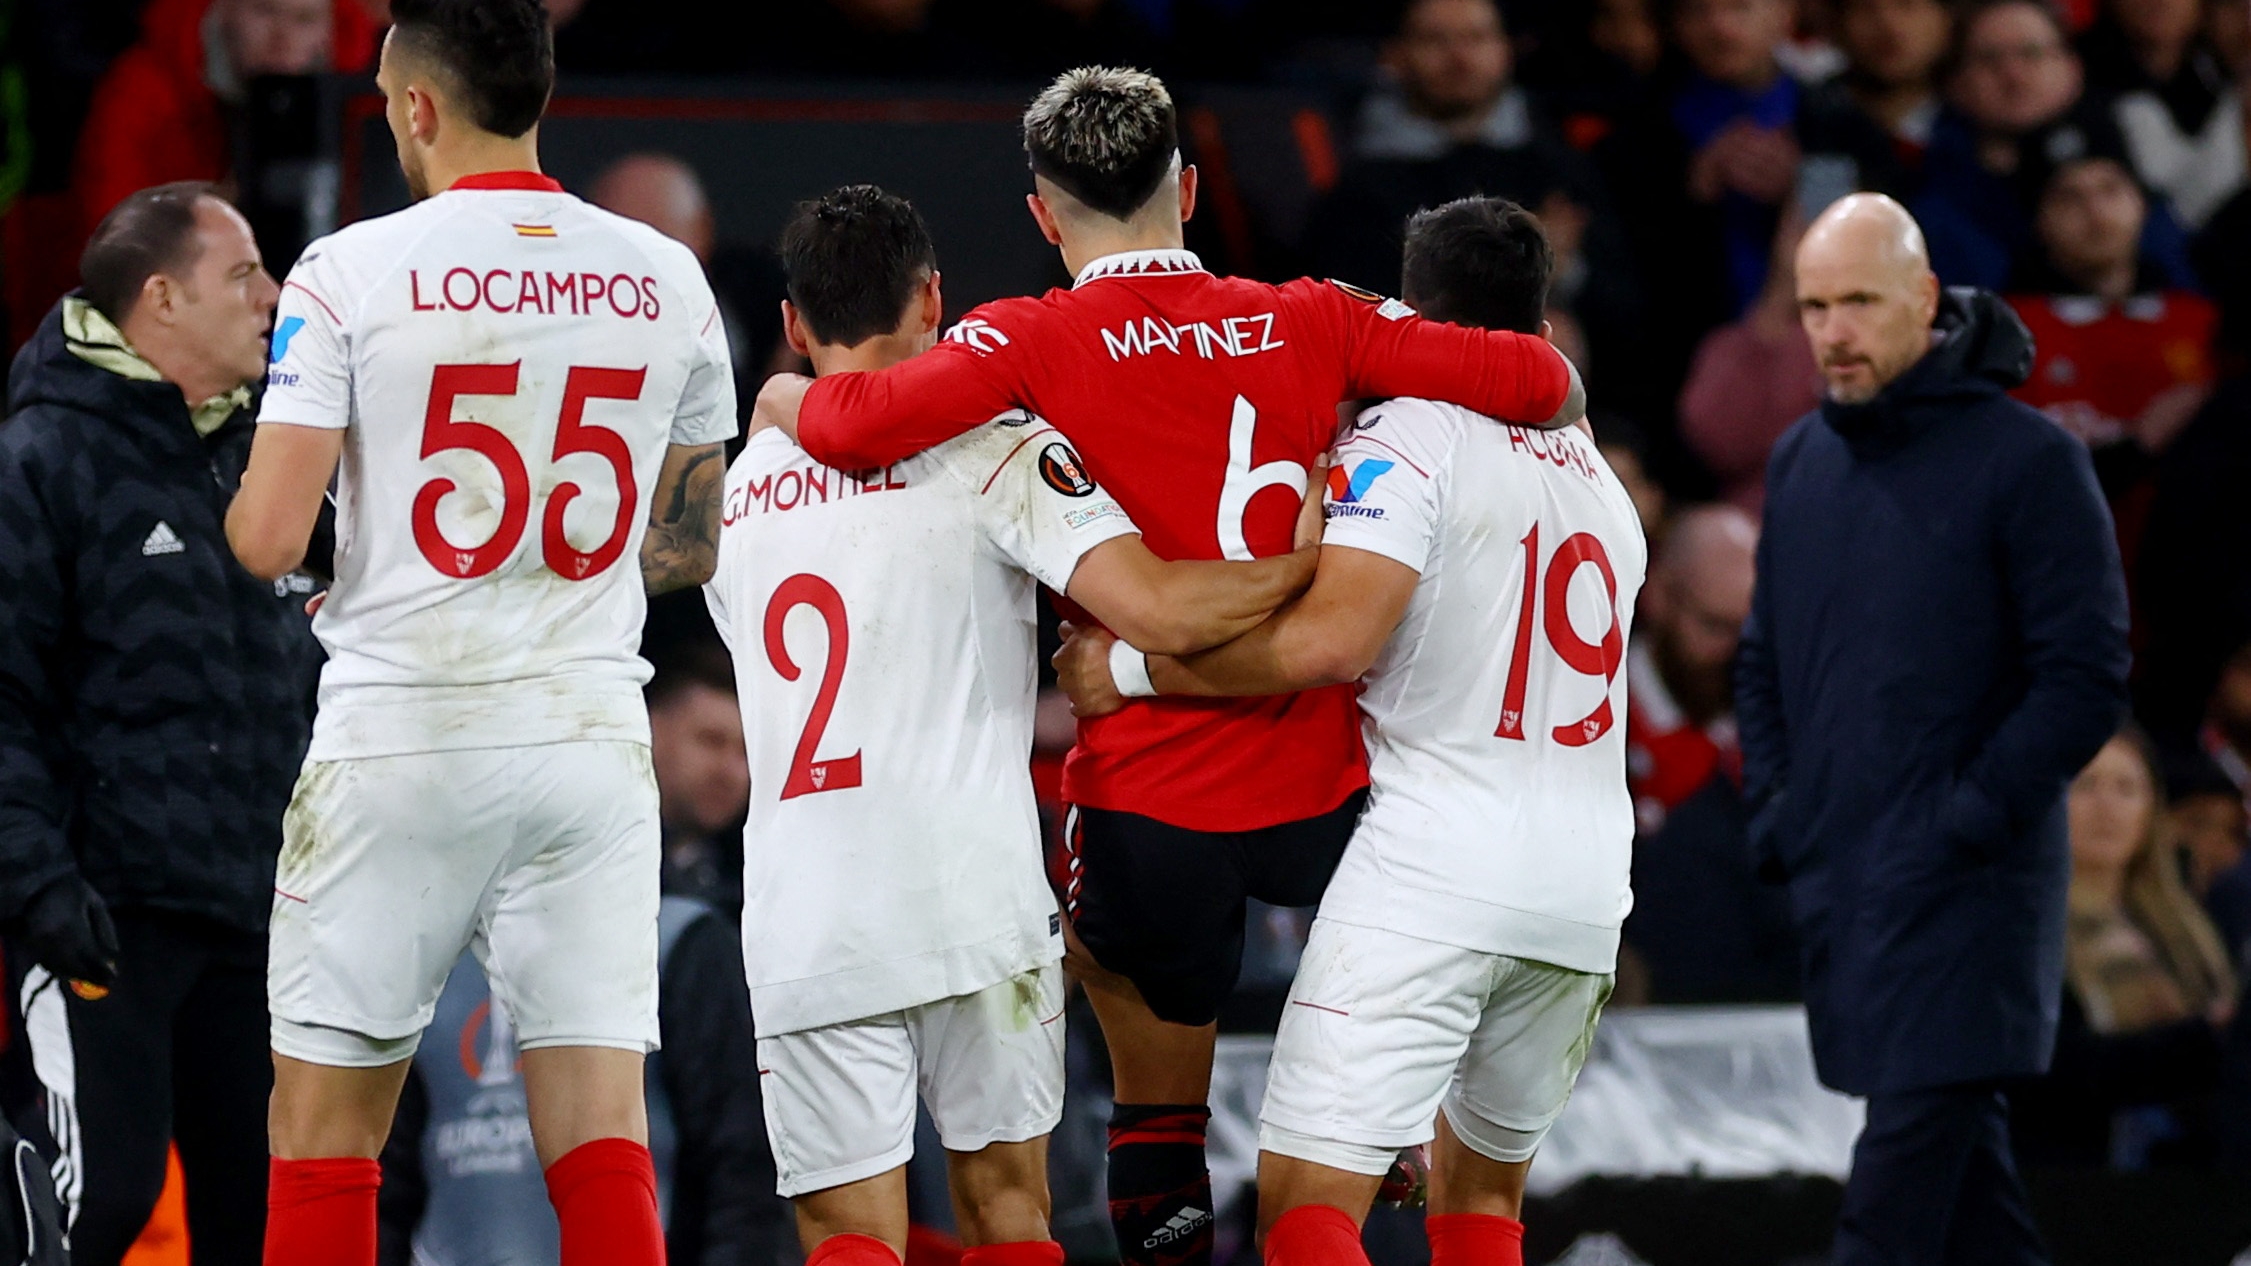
(155, 699)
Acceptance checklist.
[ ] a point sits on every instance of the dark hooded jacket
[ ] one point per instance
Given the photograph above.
(1936, 645)
(155, 698)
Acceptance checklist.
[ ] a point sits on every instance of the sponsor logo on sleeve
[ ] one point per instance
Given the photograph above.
(1061, 470)
(284, 334)
(978, 334)
(1349, 485)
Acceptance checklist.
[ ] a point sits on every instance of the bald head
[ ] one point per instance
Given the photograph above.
(662, 192)
(1866, 294)
(1710, 547)
(1697, 599)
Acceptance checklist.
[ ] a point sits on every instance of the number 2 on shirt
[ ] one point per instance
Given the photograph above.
(441, 433)
(807, 774)
(1593, 659)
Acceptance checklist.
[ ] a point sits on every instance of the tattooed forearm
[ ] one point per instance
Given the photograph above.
(682, 547)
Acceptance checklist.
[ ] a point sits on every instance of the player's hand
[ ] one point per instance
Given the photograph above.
(314, 603)
(1082, 669)
(1313, 512)
(66, 928)
(778, 403)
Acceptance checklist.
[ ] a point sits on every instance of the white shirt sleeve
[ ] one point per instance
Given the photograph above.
(707, 407)
(309, 374)
(1384, 488)
(1035, 501)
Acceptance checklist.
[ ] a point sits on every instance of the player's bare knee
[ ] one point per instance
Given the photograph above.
(317, 1111)
(1000, 1192)
(1485, 1176)
(577, 1094)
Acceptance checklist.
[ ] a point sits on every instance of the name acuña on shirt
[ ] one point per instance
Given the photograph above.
(508, 290)
(1554, 449)
(791, 489)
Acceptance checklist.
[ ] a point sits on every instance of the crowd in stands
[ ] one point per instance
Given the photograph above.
(2086, 159)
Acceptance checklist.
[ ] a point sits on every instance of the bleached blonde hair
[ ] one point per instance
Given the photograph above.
(1107, 136)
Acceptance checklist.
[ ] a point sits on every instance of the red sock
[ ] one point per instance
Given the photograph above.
(1315, 1235)
(1020, 1253)
(605, 1196)
(1474, 1239)
(849, 1249)
(321, 1212)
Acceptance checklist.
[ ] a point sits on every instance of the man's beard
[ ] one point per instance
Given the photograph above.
(1704, 692)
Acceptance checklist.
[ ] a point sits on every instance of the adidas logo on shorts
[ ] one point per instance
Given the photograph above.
(162, 540)
(1180, 1226)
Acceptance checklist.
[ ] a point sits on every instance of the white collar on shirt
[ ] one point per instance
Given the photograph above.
(1140, 264)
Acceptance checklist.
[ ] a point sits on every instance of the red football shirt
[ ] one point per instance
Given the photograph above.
(1198, 402)
(2099, 366)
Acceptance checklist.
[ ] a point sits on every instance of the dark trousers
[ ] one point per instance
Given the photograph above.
(176, 1053)
(1933, 1181)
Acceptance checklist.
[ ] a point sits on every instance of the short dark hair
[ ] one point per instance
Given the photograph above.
(149, 232)
(697, 662)
(501, 54)
(1106, 136)
(1480, 261)
(853, 258)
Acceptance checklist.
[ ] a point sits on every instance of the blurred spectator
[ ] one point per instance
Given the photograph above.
(155, 703)
(1750, 380)
(1680, 715)
(1873, 120)
(160, 112)
(1700, 174)
(462, 1185)
(2149, 986)
(2175, 99)
(1908, 787)
(2121, 360)
(1447, 122)
(1705, 929)
(665, 193)
(703, 774)
(2206, 815)
(2208, 818)
(1626, 448)
(2012, 98)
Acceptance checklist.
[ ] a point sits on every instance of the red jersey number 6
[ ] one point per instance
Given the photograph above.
(807, 774)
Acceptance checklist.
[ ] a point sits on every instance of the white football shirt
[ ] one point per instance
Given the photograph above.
(1498, 818)
(508, 365)
(882, 625)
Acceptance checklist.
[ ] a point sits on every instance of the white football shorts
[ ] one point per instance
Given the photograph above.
(1382, 1029)
(840, 1099)
(543, 859)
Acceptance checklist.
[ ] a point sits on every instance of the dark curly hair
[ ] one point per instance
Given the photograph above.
(500, 53)
(853, 258)
(1480, 261)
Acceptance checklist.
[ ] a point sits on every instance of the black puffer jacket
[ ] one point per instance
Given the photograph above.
(155, 698)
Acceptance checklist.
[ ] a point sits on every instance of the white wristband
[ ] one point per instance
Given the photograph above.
(1129, 671)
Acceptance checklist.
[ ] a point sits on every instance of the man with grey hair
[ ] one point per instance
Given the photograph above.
(1937, 643)
(1198, 401)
